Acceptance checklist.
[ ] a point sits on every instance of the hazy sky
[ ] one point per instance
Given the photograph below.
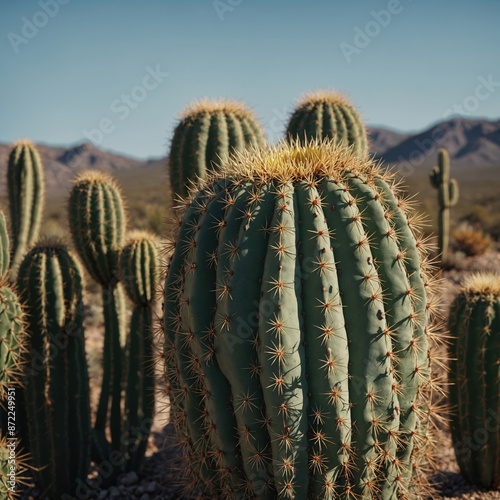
(128, 67)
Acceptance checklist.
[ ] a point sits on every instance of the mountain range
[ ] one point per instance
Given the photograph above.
(471, 143)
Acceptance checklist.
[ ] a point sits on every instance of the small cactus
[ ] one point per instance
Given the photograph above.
(328, 115)
(447, 198)
(139, 274)
(57, 385)
(475, 379)
(25, 183)
(297, 330)
(207, 133)
(97, 222)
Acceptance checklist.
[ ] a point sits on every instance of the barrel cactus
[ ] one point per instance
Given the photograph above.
(328, 115)
(25, 183)
(297, 331)
(97, 222)
(140, 278)
(207, 133)
(447, 198)
(475, 379)
(57, 383)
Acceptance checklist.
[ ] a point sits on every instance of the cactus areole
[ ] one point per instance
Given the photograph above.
(296, 330)
(475, 379)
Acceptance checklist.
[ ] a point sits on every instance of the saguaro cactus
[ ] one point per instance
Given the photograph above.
(328, 115)
(25, 183)
(139, 273)
(475, 379)
(97, 222)
(297, 341)
(57, 384)
(447, 198)
(208, 132)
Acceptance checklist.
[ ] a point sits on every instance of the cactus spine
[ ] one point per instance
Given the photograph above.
(97, 222)
(328, 115)
(25, 182)
(208, 132)
(475, 379)
(10, 484)
(139, 274)
(296, 321)
(57, 385)
(447, 198)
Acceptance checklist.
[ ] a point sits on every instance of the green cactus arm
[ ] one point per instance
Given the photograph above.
(454, 192)
(4, 248)
(435, 177)
(281, 352)
(326, 348)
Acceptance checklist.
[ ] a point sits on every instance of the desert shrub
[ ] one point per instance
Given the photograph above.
(471, 241)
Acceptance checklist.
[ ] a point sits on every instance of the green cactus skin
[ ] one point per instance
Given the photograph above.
(296, 321)
(140, 278)
(25, 183)
(4, 248)
(328, 115)
(57, 384)
(475, 379)
(208, 132)
(447, 198)
(97, 222)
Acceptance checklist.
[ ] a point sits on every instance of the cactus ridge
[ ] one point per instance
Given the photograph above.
(297, 329)
(57, 388)
(475, 381)
(4, 248)
(328, 115)
(25, 182)
(207, 133)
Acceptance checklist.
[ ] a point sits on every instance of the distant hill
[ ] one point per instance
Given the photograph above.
(471, 143)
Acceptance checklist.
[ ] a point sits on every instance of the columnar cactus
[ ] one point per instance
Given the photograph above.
(57, 384)
(297, 339)
(97, 222)
(207, 133)
(11, 482)
(139, 274)
(447, 198)
(328, 115)
(475, 379)
(25, 183)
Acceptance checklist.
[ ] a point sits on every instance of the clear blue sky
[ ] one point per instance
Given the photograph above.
(71, 72)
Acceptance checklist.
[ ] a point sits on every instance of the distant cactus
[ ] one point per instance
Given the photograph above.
(97, 222)
(475, 379)
(447, 197)
(25, 184)
(328, 115)
(205, 136)
(57, 384)
(139, 274)
(297, 334)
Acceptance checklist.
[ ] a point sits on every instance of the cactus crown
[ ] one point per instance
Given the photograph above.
(217, 106)
(482, 284)
(323, 96)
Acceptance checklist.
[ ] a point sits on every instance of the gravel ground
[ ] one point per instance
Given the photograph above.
(163, 463)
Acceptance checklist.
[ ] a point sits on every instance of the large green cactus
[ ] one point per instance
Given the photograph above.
(296, 321)
(57, 384)
(447, 198)
(139, 274)
(328, 115)
(205, 136)
(475, 379)
(25, 184)
(97, 222)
